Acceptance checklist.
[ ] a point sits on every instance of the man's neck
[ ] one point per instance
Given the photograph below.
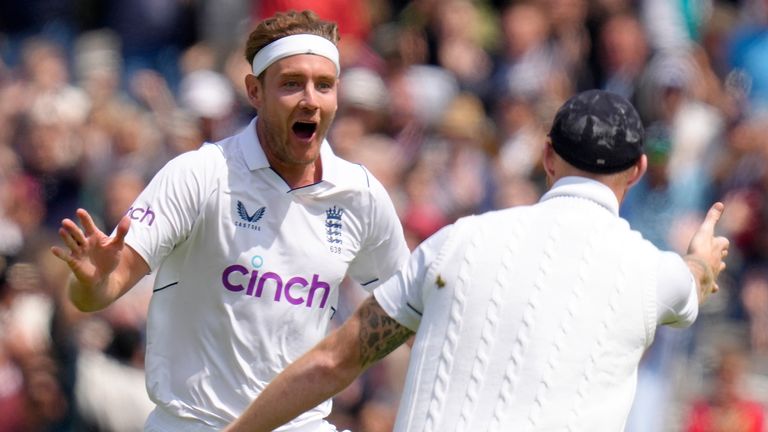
(613, 182)
(297, 176)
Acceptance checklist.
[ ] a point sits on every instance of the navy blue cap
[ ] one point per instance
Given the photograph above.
(598, 132)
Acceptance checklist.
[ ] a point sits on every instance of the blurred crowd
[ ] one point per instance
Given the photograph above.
(447, 102)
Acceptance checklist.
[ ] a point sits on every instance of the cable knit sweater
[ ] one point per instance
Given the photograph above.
(531, 318)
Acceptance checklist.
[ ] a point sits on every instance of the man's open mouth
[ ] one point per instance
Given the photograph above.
(304, 130)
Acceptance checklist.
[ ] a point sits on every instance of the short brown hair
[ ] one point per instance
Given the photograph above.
(284, 24)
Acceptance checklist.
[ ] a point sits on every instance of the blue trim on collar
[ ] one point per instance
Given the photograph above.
(365, 171)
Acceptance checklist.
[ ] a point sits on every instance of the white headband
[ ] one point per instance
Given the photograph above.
(294, 45)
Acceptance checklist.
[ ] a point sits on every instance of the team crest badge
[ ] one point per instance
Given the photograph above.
(333, 225)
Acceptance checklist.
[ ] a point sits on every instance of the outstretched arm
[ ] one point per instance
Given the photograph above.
(103, 269)
(366, 337)
(706, 253)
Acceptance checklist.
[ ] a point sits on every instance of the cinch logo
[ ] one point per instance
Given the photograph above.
(238, 278)
(146, 215)
(249, 220)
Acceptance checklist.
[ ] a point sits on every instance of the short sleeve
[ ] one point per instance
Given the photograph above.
(384, 249)
(401, 296)
(165, 212)
(677, 300)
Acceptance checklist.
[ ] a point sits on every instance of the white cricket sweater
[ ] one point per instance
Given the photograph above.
(533, 318)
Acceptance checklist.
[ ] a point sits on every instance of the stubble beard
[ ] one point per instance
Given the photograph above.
(279, 148)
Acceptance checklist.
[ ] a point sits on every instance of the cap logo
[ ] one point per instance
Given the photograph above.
(598, 131)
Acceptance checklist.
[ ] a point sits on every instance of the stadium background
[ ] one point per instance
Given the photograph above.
(446, 101)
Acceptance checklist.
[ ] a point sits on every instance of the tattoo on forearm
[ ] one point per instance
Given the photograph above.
(706, 280)
(379, 334)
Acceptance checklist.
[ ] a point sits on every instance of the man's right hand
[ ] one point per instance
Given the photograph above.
(91, 256)
(706, 253)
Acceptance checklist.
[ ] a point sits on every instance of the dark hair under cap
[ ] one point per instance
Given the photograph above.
(598, 132)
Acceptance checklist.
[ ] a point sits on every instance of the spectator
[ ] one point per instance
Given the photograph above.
(92, 104)
(728, 406)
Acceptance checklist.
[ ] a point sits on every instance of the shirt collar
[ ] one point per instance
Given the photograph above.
(255, 158)
(582, 187)
(251, 147)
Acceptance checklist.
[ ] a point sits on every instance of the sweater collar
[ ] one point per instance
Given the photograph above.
(585, 188)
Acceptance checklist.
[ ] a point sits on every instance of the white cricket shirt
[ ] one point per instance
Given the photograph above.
(247, 273)
(534, 318)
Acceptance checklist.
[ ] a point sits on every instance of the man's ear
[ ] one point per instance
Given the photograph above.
(254, 89)
(548, 159)
(638, 171)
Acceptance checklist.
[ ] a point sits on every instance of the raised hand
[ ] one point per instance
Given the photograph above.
(706, 252)
(90, 254)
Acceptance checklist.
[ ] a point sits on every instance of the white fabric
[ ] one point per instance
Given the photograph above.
(295, 45)
(162, 422)
(248, 270)
(535, 317)
(110, 394)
